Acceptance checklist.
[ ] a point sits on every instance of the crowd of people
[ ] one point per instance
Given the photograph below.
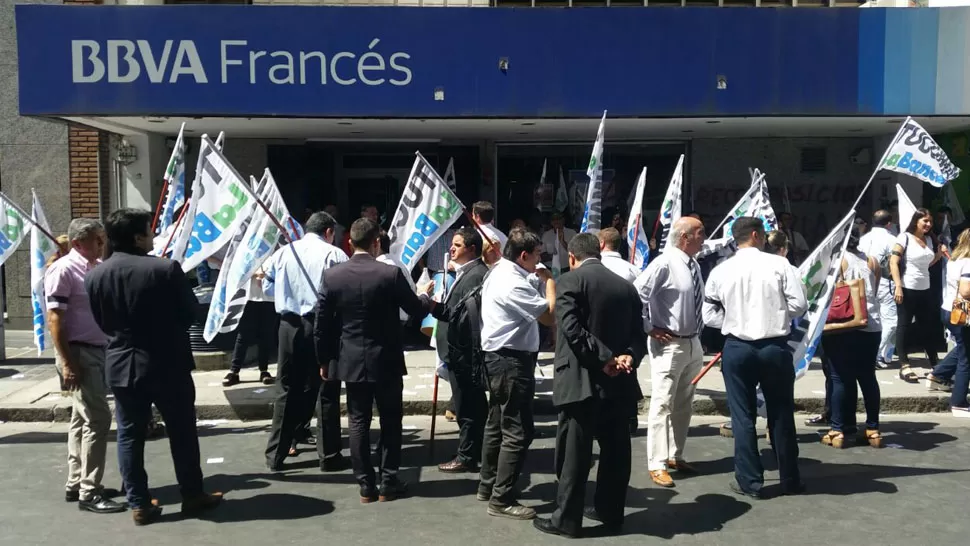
(120, 326)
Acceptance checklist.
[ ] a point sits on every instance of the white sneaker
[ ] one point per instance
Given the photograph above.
(960, 412)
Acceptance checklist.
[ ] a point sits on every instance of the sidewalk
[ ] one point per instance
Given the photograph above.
(29, 389)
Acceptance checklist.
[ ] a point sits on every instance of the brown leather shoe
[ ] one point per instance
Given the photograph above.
(450, 416)
(148, 515)
(681, 466)
(194, 506)
(661, 478)
(457, 467)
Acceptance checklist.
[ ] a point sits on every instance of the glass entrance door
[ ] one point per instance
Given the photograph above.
(379, 187)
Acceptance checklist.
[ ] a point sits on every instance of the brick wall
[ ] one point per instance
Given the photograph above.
(88, 150)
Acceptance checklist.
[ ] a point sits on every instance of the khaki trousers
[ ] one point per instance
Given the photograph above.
(87, 437)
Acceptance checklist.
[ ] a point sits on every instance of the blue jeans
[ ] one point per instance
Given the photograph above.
(851, 355)
(175, 399)
(955, 365)
(745, 365)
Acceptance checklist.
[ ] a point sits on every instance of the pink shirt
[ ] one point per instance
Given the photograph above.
(64, 286)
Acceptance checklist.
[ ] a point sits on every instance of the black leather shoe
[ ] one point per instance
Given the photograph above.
(147, 515)
(368, 495)
(590, 513)
(110, 493)
(334, 464)
(484, 495)
(545, 525)
(100, 505)
(797, 489)
(738, 491)
(457, 467)
(72, 496)
(393, 491)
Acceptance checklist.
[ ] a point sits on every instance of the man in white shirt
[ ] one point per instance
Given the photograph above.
(511, 307)
(484, 214)
(556, 240)
(294, 278)
(610, 241)
(878, 244)
(672, 293)
(753, 298)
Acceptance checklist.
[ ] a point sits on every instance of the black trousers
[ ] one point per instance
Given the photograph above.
(298, 382)
(174, 396)
(360, 410)
(510, 426)
(918, 305)
(471, 409)
(746, 364)
(578, 424)
(257, 326)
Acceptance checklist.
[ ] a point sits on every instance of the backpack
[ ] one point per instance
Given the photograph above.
(465, 355)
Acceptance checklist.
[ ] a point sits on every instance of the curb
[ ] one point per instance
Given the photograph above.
(930, 403)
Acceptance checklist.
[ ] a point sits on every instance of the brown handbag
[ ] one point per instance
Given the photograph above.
(847, 311)
(960, 313)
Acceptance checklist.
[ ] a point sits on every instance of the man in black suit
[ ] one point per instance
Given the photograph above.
(145, 305)
(600, 342)
(462, 357)
(359, 341)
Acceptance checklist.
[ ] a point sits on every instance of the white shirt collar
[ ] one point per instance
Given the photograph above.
(679, 253)
(466, 266)
(610, 254)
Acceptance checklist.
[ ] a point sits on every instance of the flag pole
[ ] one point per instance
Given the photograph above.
(706, 368)
(158, 208)
(29, 218)
(175, 226)
(636, 233)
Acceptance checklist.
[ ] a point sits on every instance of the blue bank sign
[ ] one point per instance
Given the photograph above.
(407, 62)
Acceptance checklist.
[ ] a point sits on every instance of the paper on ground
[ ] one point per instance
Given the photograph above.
(214, 460)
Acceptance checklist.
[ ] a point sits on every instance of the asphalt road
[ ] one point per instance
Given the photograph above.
(914, 492)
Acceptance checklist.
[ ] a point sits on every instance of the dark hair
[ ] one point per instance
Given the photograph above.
(917, 216)
(775, 241)
(521, 240)
(484, 210)
(611, 237)
(365, 206)
(385, 243)
(881, 218)
(123, 225)
(854, 236)
(363, 233)
(945, 209)
(319, 223)
(584, 246)
(471, 238)
(744, 226)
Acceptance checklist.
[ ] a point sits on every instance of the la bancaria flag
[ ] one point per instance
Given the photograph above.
(174, 185)
(13, 228)
(636, 237)
(219, 198)
(41, 250)
(755, 203)
(672, 205)
(914, 152)
(427, 208)
(594, 191)
(818, 273)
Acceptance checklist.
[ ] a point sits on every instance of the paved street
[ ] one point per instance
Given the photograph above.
(913, 492)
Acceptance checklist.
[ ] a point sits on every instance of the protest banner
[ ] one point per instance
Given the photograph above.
(756, 203)
(14, 227)
(905, 207)
(592, 216)
(219, 195)
(672, 206)
(427, 208)
(41, 250)
(636, 237)
(173, 189)
(914, 152)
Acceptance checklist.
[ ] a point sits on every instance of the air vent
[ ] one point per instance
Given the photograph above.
(813, 160)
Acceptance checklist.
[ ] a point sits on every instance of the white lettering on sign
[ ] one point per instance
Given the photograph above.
(123, 61)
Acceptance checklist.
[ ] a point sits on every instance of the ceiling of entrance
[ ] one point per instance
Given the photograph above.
(520, 129)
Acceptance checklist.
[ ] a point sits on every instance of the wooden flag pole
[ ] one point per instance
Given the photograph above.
(434, 414)
(175, 227)
(158, 208)
(706, 368)
(636, 233)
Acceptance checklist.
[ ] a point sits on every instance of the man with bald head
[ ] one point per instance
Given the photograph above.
(672, 292)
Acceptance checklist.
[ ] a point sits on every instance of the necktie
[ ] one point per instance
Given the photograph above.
(698, 292)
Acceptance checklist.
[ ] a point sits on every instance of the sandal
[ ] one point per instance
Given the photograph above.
(907, 374)
(834, 438)
(873, 437)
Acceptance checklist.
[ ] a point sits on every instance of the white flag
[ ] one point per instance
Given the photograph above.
(905, 207)
(755, 203)
(219, 203)
(174, 186)
(41, 250)
(450, 175)
(427, 209)
(13, 227)
(914, 152)
(562, 198)
(592, 217)
(672, 206)
(220, 140)
(636, 238)
(953, 203)
(818, 273)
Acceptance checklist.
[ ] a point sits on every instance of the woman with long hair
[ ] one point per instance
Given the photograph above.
(776, 242)
(852, 354)
(955, 365)
(63, 247)
(912, 256)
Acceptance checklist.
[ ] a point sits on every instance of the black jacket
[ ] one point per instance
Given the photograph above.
(358, 329)
(599, 317)
(145, 305)
(468, 282)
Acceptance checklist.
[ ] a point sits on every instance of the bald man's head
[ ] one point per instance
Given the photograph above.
(687, 234)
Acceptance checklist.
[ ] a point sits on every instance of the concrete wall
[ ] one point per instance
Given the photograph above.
(33, 154)
(719, 175)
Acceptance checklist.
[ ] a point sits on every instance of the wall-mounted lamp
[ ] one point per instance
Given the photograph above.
(125, 152)
(722, 82)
